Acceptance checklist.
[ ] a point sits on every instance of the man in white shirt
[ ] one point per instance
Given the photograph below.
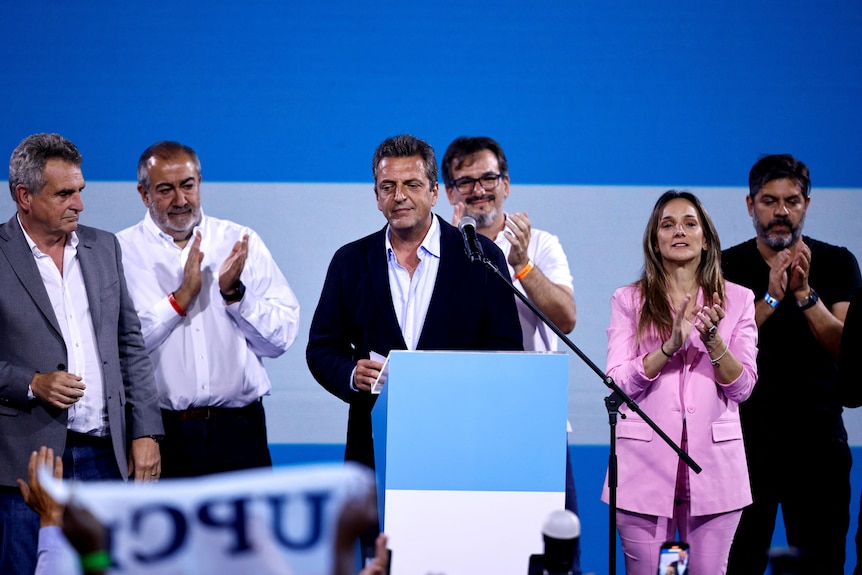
(213, 303)
(74, 375)
(476, 175)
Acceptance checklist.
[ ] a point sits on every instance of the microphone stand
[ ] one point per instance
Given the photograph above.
(612, 404)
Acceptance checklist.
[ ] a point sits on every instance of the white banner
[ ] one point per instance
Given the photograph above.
(280, 521)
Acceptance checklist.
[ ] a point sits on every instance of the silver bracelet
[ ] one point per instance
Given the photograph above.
(716, 360)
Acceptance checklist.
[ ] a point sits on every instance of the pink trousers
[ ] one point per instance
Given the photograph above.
(709, 538)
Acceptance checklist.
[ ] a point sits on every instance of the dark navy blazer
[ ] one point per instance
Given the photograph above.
(470, 309)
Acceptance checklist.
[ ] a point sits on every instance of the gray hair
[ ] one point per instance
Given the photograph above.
(27, 164)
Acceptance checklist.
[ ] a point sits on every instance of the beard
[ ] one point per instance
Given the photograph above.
(778, 242)
(483, 220)
(177, 227)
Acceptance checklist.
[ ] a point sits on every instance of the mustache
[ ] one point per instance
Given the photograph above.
(180, 210)
(779, 222)
(486, 197)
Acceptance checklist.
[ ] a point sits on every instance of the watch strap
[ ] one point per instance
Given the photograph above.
(808, 301)
(237, 291)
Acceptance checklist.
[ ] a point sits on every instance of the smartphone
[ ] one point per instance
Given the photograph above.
(673, 558)
(369, 558)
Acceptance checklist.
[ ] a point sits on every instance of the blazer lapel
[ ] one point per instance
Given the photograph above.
(90, 270)
(17, 251)
(444, 293)
(378, 267)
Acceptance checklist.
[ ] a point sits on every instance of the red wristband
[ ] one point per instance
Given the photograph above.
(176, 305)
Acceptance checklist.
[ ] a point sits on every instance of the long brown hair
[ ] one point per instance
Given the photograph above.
(656, 313)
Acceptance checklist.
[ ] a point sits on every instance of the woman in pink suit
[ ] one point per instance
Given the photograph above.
(682, 343)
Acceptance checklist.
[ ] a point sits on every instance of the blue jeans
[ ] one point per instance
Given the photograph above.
(84, 459)
(19, 532)
(90, 462)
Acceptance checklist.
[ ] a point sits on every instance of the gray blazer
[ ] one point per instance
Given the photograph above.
(31, 341)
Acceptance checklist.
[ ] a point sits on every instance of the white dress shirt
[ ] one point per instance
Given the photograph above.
(213, 356)
(411, 295)
(68, 296)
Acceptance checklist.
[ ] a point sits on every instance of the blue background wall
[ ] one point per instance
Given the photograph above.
(599, 105)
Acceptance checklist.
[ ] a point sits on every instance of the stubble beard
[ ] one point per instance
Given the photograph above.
(782, 242)
(483, 220)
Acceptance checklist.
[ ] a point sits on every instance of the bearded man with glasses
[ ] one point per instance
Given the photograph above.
(476, 175)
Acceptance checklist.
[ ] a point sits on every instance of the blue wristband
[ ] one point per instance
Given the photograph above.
(771, 300)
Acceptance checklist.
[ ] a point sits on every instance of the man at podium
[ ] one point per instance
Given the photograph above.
(408, 286)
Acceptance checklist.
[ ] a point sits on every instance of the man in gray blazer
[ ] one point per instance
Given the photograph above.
(74, 375)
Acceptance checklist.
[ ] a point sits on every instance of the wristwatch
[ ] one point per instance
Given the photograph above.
(238, 290)
(156, 438)
(808, 301)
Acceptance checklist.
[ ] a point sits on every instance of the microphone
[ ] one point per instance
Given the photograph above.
(467, 226)
(561, 533)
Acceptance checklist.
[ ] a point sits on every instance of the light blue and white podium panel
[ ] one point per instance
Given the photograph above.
(470, 456)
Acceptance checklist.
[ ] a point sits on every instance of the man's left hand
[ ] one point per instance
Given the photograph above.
(145, 460)
(233, 265)
(517, 230)
(800, 269)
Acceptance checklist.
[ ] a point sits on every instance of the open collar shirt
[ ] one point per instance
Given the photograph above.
(68, 296)
(411, 295)
(214, 355)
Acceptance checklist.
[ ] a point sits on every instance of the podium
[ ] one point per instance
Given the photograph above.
(470, 456)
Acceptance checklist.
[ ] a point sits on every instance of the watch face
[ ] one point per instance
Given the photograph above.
(810, 300)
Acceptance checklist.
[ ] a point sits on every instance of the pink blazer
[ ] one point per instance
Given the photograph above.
(686, 387)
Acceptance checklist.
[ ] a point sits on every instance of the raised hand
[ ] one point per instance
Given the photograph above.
(232, 267)
(800, 269)
(709, 318)
(517, 231)
(191, 286)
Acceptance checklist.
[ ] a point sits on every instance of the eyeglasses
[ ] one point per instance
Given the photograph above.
(466, 185)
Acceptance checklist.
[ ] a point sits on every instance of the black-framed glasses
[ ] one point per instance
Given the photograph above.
(466, 185)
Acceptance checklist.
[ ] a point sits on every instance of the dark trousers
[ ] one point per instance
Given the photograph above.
(811, 482)
(572, 505)
(202, 441)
